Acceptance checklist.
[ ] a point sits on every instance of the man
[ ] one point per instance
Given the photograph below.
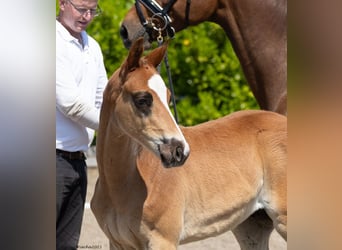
(80, 81)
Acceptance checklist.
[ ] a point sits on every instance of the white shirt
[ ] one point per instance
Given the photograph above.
(80, 80)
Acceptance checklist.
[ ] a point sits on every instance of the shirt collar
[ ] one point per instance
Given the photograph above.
(68, 37)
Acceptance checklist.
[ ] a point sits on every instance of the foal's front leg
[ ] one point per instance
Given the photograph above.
(158, 242)
(160, 233)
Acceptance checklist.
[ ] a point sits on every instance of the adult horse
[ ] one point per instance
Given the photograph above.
(152, 193)
(256, 29)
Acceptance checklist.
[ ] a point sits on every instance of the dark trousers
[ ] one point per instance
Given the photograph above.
(71, 189)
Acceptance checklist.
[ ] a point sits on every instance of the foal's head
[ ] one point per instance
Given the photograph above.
(141, 108)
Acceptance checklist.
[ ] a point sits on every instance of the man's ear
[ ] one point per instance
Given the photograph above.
(62, 4)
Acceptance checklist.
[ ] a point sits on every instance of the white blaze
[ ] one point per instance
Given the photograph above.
(157, 84)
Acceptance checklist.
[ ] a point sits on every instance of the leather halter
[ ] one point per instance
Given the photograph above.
(162, 14)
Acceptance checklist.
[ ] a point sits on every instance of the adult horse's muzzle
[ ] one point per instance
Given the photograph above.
(153, 27)
(130, 32)
(138, 31)
(173, 153)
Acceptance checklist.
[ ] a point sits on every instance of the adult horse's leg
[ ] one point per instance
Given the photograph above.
(254, 233)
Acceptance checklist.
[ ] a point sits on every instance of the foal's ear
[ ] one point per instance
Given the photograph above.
(157, 55)
(132, 61)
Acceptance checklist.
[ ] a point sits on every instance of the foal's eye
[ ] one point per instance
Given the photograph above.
(143, 101)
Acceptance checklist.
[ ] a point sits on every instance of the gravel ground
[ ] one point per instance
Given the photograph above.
(93, 238)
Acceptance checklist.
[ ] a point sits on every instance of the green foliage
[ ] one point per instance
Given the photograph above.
(206, 74)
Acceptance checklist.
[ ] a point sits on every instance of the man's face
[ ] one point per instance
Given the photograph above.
(73, 14)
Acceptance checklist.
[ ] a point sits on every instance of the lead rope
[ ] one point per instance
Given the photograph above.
(187, 12)
(166, 61)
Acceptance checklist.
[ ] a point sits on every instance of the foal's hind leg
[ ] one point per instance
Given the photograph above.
(254, 233)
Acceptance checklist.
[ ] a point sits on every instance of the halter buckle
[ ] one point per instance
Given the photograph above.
(160, 38)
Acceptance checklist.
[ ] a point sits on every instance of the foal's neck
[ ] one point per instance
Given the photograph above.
(116, 152)
(123, 149)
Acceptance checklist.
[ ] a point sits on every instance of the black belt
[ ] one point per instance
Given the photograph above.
(78, 155)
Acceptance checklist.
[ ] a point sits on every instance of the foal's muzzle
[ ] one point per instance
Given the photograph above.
(172, 153)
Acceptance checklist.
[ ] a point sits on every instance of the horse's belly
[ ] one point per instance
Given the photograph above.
(209, 223)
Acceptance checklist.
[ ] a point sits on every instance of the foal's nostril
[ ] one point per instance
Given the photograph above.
(173, 153)
(179, 154)
(123, 32)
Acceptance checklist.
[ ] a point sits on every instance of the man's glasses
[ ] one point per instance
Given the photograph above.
(92, 12)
